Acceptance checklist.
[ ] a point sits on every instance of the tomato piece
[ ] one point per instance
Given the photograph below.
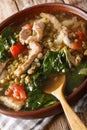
(17, 49)
(80, 35)
(77, 46)
(27, 26)
(17, 92)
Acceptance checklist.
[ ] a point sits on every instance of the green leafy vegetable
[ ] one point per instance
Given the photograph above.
(3, 53)
(6, 32)
(74, 79)
(38, 99)
(56, 62)
(10, 37)
(7, 40)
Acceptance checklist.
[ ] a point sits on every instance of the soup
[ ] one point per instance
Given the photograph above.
(39, 48)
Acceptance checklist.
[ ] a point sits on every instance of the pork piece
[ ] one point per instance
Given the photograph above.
(38, 29)
(2, 75)
(24, 34)
(69, 22)
(35, 49)
(2, 65)
(81, 24)
(63, 37)
(12, 103)
(52, 19)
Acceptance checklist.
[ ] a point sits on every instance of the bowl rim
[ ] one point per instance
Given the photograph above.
(82, 13)
(6, 22)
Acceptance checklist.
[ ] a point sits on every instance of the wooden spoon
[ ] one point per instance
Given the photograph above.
(55, 86)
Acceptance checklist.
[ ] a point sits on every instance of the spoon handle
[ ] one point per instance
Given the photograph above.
(73, 119)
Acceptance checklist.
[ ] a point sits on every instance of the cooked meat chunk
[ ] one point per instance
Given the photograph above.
(38, 29)
(63, 37)
(24, 34)
(35, 50)
(52, 19)
(2, 66)
(12, 103)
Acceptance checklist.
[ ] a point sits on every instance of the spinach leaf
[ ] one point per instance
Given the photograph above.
(3, 52)
(38, 79)
(3, 43)
(10, 36)
(6, 32)
(74, 79)
(56, 62)
(37, 99)
(4, 56)
(8, 39)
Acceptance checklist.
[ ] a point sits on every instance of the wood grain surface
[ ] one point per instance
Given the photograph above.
(9, 7)
(59, 122)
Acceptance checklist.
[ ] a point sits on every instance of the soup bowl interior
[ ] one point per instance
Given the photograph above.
(16, 20)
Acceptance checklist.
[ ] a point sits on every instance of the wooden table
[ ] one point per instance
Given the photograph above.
(9, 7)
